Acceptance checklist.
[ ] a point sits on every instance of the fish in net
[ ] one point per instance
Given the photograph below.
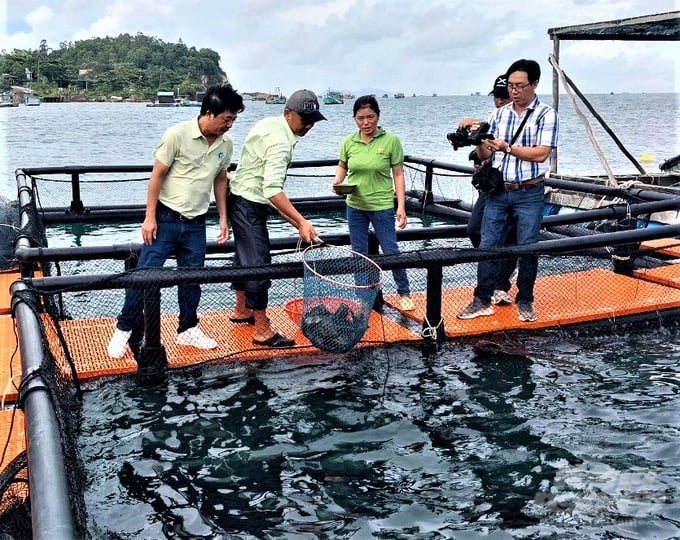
(339, 289)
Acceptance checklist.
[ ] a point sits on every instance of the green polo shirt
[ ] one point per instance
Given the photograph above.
(265, 156)
(369, 167)
(193, 165)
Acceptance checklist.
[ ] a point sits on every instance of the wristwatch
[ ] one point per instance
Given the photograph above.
(508, 149)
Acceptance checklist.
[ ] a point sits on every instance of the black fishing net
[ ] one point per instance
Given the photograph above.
(340, 288)
(9, 229)
(15, 507)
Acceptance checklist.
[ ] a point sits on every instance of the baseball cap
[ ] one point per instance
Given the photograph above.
(500, 87)
(305, 103)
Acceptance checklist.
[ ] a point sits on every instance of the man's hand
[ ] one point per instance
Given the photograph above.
(224, 232)
(306, 231)
(149, 230)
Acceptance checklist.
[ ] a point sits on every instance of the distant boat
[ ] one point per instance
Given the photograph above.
(32, 100)
(348, 95)
(333, 97)
(276, 98)
(434, 94)
(6, 100)
(186, 102)
(164, 99)
(398, 95)
(386, 95)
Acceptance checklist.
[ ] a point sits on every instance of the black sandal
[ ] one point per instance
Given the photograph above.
(246, 320)
(276, 341)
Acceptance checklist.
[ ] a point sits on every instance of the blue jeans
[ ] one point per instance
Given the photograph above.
(525, 207)
(187, 239)
(383, 226)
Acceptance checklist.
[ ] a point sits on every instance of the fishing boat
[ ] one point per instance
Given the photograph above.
(333, 97)
(32, 100)
(63, 300)
(164, 99)
(6, 100)
(276, 98)
(399, 95)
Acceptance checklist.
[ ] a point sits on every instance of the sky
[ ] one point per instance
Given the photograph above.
(448, 47)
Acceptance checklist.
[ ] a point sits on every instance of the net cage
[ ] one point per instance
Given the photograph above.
(9, 231)
(340, 287)
(339, 290)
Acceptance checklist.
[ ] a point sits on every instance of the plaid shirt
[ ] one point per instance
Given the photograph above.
(541, 129)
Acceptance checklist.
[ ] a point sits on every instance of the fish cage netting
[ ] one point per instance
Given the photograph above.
(76, 311)
(60, 380)
(55, 192)
(9, 232)
(15, 507)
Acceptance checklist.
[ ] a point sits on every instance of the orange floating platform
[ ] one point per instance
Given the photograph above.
(560, 300)
(12, 431)
(87, 341)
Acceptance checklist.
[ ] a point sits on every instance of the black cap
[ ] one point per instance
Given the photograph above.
(500, 87)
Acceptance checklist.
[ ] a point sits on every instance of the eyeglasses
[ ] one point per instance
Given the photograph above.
(513, 86)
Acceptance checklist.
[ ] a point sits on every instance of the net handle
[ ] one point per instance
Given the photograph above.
(321, 244)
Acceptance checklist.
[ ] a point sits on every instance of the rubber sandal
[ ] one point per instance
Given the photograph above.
(246, 320)
(276, 341)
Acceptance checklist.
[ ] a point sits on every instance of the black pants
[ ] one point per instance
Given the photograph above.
(474, 229)
(251, 240)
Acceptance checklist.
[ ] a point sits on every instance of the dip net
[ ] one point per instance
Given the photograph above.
(339, 289)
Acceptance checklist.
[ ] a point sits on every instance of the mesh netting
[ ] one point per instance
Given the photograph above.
(9, 229)
(339, 291)
(15, 508)
(340, 288)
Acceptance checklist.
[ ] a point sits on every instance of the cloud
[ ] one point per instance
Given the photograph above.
(399, 45)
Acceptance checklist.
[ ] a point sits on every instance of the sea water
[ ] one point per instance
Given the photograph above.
(558, 436)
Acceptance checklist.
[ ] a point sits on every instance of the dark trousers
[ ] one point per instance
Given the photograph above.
(474, 229)
(252, 248)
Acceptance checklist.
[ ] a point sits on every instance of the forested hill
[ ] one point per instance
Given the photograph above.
(126, 66)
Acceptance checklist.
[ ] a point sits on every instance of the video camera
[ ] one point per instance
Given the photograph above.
(465, 137)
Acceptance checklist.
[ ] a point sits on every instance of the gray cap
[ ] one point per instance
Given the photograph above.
(306, 104)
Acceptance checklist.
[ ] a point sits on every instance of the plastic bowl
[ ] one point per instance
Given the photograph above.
(344, 189)
(294, 310)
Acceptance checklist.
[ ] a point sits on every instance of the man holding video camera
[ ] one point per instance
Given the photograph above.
(524, 134)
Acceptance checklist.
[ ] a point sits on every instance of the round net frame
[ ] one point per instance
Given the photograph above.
(339, 289)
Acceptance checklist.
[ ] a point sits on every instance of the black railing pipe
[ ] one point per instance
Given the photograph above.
(50, 502)
(152, 359)
(434, 331)
(26, 254)
(170, 277)
(637, 191)
(76, 202)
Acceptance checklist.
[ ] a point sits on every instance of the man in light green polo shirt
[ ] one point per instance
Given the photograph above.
(256, 187)
(191, 160)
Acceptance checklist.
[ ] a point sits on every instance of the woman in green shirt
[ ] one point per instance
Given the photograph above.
(372, 159)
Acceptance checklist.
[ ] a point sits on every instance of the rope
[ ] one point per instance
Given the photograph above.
(429, 331)
(589, 130)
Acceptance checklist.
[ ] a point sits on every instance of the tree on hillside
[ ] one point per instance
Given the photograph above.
(125, 65)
